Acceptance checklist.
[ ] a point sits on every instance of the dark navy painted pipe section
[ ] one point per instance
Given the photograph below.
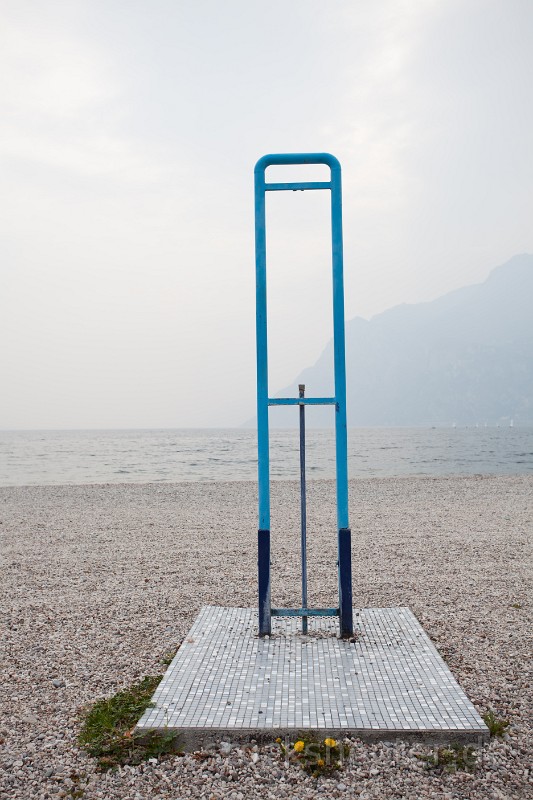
(345, 582)
(263, 568)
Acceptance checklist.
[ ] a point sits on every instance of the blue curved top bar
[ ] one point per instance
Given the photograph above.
(263, 400)
(297, 158)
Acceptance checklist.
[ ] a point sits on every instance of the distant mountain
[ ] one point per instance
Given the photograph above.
(465, 358)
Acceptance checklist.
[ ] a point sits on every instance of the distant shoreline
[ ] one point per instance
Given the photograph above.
(207, 455)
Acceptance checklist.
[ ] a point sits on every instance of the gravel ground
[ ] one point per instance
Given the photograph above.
(100, 582)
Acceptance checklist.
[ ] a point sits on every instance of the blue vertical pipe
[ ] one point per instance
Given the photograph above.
(341, 442)
(263, 535)
(341, 448)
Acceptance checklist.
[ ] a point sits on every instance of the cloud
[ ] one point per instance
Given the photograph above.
(129, 134)
(51, 74)
(379, 119)
(62, 101)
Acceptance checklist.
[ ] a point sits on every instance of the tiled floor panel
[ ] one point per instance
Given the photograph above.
(391, 682)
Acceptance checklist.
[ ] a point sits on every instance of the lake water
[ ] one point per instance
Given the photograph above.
(138, 456)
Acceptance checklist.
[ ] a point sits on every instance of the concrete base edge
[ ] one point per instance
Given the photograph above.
(205, 739)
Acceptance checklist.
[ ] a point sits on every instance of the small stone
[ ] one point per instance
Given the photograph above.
(58, 683)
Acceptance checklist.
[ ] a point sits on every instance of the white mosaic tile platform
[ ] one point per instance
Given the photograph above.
(226, 682)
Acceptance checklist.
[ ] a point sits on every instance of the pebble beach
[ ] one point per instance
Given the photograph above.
(101, 582)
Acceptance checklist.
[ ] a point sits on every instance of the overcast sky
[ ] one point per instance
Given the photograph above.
(128, 139)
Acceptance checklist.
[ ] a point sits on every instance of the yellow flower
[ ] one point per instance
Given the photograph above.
(320, 762)
(278, 740)
(330, 742)
(299, 746)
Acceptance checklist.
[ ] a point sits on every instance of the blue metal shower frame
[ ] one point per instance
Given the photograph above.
(344, 610)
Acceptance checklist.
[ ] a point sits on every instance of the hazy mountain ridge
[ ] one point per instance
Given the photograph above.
(464, 358)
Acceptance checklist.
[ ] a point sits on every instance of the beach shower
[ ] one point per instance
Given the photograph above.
(344, 609)
(383, 680)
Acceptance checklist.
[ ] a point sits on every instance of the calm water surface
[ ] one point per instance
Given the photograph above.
(138, 456)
